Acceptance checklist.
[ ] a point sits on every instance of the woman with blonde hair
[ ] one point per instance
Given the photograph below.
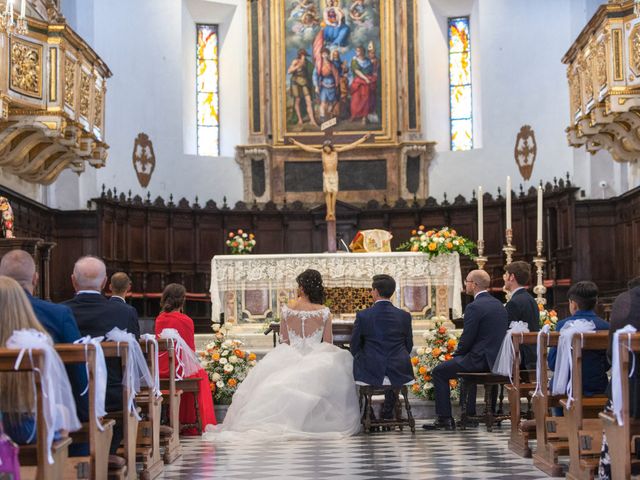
(17, 402)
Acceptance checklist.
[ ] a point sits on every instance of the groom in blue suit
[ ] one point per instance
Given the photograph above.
(381, 343)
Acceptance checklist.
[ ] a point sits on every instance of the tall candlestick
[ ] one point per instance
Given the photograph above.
(23, 8)
(508, 193)
(539, 229)
(480, 216)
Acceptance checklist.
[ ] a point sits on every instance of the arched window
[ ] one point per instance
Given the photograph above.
(460, 99)
(208, 101)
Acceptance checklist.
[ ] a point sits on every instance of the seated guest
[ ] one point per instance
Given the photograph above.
(583, 297)
(120, 285)
(172, 303)
(484, 328)
(96, 316)
(17, 401)
(57, 320)
(381, 343)
(522, 307)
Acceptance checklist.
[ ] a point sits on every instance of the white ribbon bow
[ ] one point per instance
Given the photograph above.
(100, 376)
(148, 337)
(616, 374)
(504, 361)
(539, 366)
(138, 373)
(58, 403)
(188, 363)
(562, 375)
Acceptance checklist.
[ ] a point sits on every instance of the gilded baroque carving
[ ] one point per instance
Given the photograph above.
(97, 109)
(601, 65)
(635, 50)
(574, 91)
(85, 94)
(587, 81)
(26, 69)
(69, 82)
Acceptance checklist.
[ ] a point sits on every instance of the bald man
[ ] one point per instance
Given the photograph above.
(57, 320)
(485, 325)
(96, 316)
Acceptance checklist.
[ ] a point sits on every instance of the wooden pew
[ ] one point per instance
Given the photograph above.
(522, 427)
(620, 437)
(34, 458)
(148, 445)
(129, 421)
(170, 435)
(551, 432)
(584, 428)
(96, 465)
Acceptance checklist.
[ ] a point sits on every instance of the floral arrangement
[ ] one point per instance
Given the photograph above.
(436, 242)
(7, 218)
(547, 317)
(227, 364)
(440, 345)
(241, 242)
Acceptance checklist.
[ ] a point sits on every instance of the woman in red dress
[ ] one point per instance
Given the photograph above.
(171, 304)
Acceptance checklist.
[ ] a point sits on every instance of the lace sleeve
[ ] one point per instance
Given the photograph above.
(284, 329)
(327, 335)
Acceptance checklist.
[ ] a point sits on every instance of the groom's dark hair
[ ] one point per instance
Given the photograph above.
(384, 284)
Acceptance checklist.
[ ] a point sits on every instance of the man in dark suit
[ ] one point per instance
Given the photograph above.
(57, 320)
(96, 316)
(381, 343)
(485, 325)
(522, 307)
(120, 286)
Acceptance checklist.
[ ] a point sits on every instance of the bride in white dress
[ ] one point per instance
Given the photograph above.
(304, 388)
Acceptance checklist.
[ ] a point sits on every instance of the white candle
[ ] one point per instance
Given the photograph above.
(11, 7)
(480, 216)
(508, 203)
(539, 229)
(23, 8)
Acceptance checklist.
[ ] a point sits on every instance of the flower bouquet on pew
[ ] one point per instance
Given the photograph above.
(227, 363)
(436, 242)
(548, 317)
(440, 345)
(241, 242)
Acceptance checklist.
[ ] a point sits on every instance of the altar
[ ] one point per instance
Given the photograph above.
(252, 288)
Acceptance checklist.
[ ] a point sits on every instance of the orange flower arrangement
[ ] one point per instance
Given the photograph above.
(241, 242)
(414, 361)
(549, 317)
(232, 382)
(435, 242)
(436, 352)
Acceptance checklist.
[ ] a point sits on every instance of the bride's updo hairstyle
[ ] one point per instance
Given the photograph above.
(310, 281)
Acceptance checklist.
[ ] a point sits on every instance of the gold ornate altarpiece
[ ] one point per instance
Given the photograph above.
(267, 158)
(52, 98)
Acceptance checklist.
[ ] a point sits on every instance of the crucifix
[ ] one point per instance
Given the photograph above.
(330, 187)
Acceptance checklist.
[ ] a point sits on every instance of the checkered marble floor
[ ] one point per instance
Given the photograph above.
(470, 454)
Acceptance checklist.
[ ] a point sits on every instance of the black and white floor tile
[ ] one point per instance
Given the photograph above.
(471, 454)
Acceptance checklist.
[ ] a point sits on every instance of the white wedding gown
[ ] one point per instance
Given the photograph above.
(304, 389)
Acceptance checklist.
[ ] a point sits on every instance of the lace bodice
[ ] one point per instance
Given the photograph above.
(304, 328)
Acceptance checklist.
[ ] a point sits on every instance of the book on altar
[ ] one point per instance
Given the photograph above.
(371, 241)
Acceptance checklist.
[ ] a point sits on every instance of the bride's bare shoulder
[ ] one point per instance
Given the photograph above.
(298, 306)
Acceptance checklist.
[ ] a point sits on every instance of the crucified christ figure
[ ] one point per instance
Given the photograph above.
(330, 169)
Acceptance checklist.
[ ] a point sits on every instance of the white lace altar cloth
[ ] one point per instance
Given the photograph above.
(276, 272)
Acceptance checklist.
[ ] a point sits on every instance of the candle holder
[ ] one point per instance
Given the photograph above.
(509, 249)
(481, 260)
(539, 262)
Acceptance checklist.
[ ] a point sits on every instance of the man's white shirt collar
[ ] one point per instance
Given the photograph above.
(382, 300)
(476, 295)
(93, 292)
(118, 296)
(519, 288)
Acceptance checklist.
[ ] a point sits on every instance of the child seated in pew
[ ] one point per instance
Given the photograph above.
(17, 402)
(583, 297)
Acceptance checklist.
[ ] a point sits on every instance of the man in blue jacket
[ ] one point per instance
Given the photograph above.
(381, 343)
(583, 297)
(57, 320)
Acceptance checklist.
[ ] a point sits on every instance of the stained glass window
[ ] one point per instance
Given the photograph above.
(208, 101)
(460, 102)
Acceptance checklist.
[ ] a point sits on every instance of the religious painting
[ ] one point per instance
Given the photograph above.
(333, 62)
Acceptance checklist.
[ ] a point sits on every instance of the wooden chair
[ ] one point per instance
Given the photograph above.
(584, 428)
(366, 392)
(191, 385)
(97, 433)
(620, 438)
(551, 432)
(489, 381)
(34, 458)
(523, 428)
(148, 445)
(170, 434)
(129, 421)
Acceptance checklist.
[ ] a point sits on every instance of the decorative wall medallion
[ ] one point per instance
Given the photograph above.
(69, 82)
(144, 160)
(26, 68)
(525, 151)
(85, 94)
